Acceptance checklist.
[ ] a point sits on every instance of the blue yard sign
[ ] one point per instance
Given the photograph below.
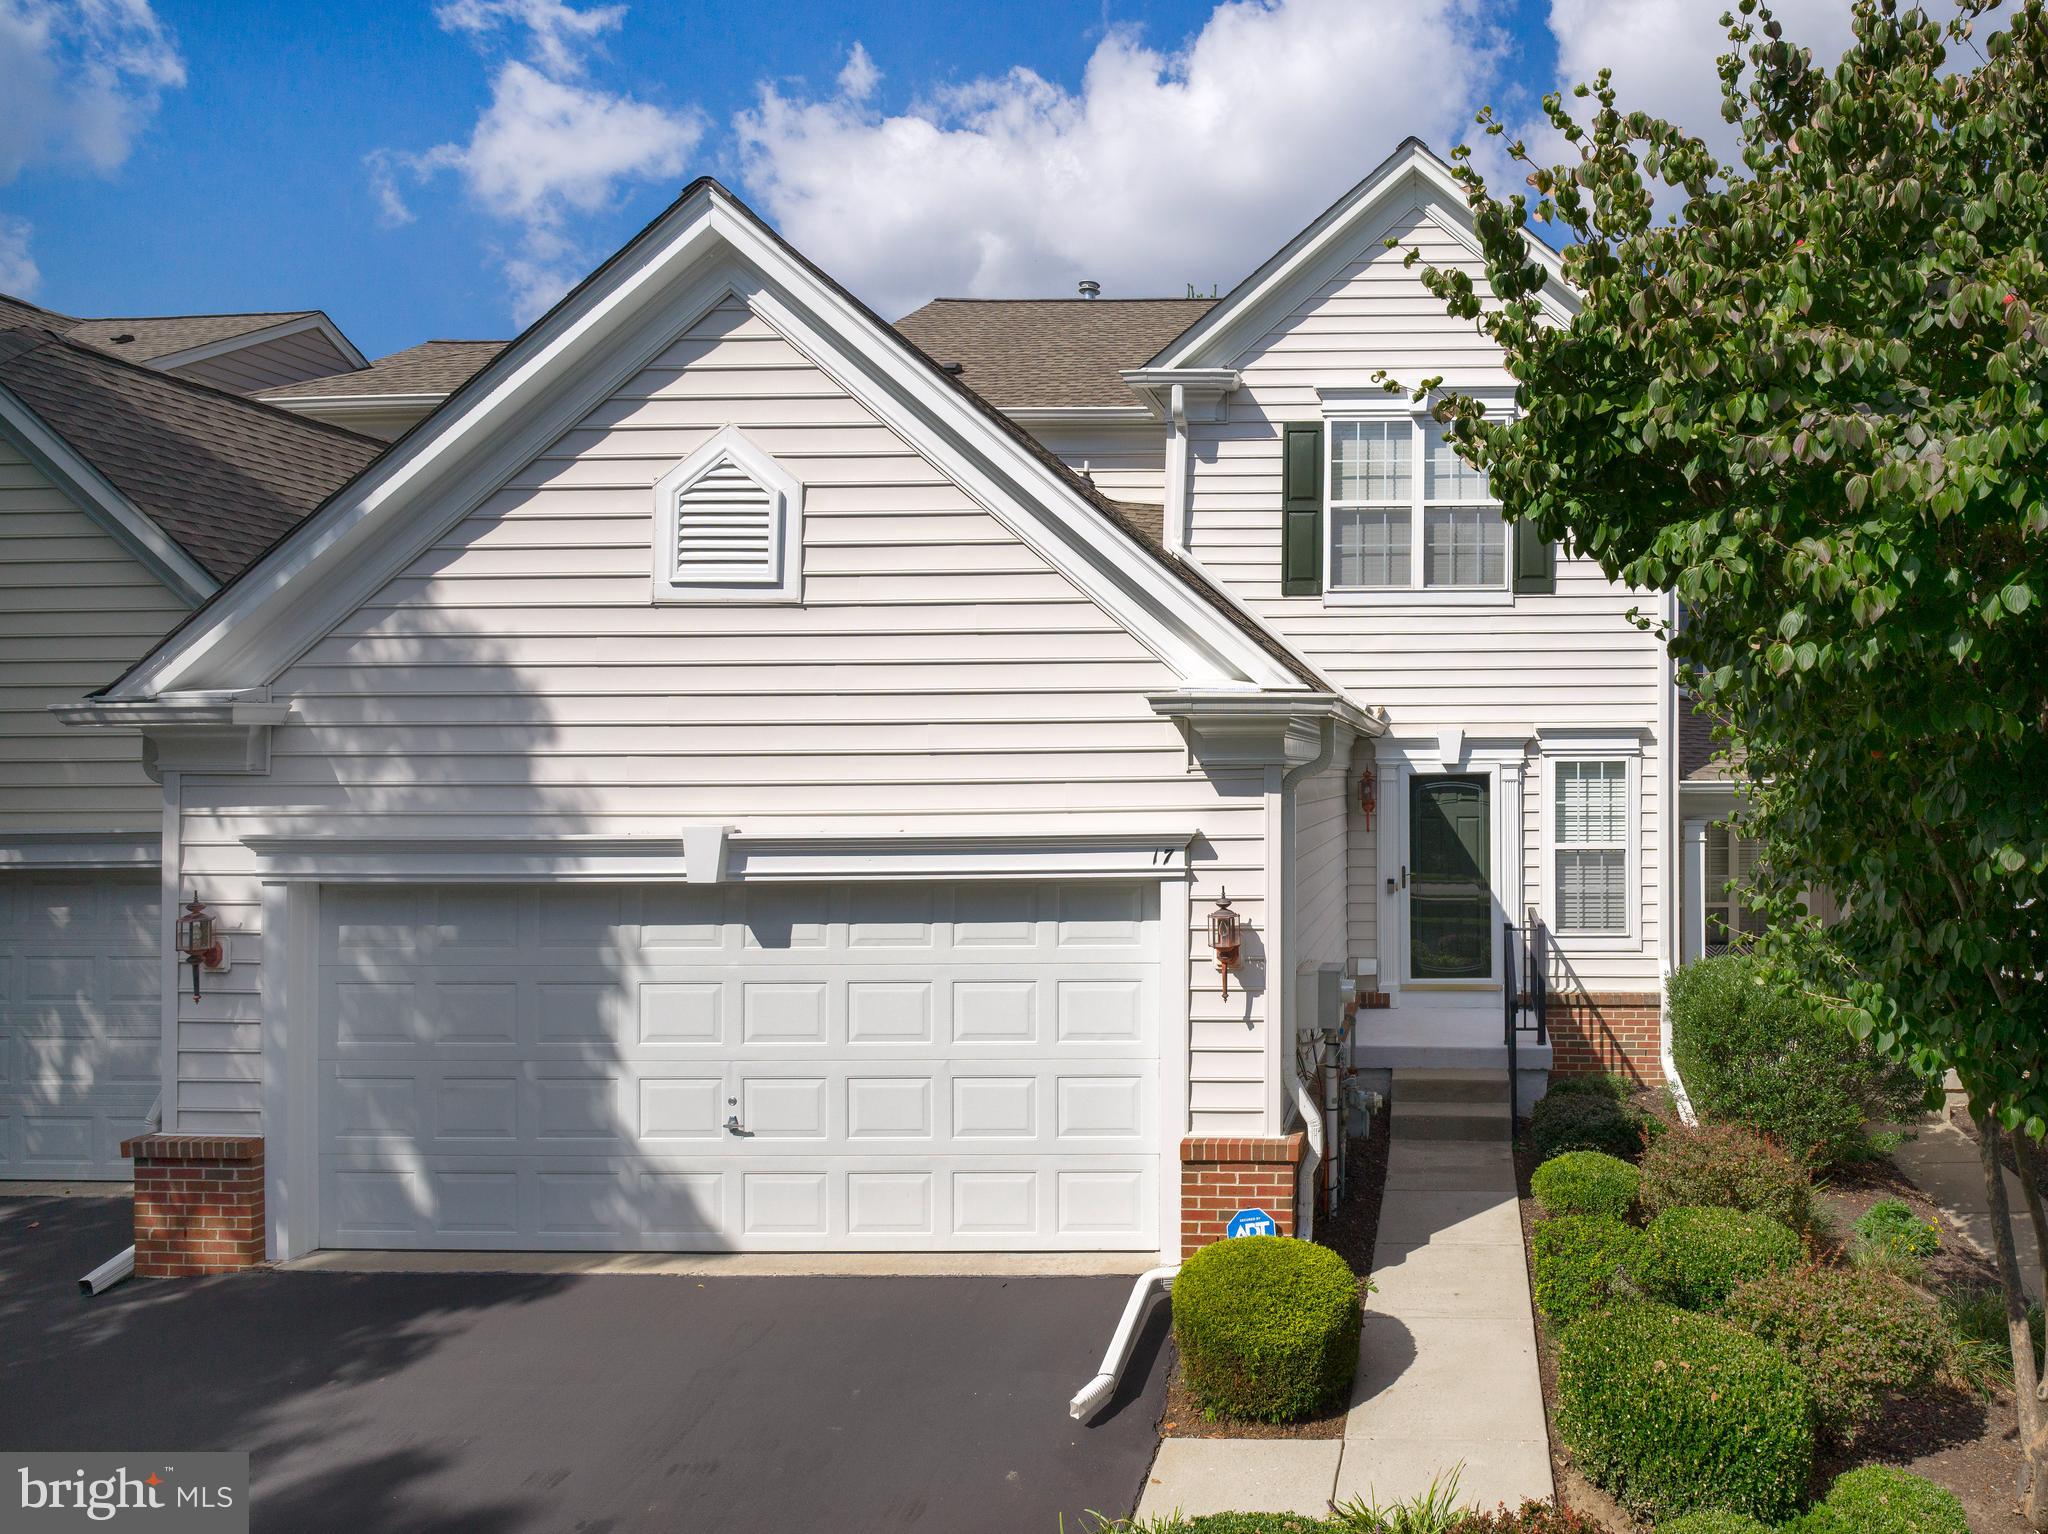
(1252, 1222)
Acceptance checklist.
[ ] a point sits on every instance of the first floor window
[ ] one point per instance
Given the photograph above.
(1591, 846)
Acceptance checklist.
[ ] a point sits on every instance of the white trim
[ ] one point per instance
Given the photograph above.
(172, 869)
(1694, 903)
(1175, 1024)
(1346, 406)
(310, 855)
(1558, 746)
(79, 849)
(94, 494)
(326, 405)
(782, 579)
(228, 345)
(290, 1012)
(704, 245)
(1080, 415)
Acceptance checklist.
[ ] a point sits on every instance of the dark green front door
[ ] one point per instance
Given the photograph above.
(1450, 880)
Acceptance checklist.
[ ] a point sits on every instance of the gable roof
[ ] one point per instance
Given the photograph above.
(222, 476)
(703, 246)
(163, 339)
(430, 368)
(1412, 171)
(1048, 353)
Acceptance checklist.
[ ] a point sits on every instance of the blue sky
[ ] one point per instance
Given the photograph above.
(442, 170)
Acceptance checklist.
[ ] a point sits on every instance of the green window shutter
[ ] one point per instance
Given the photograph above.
(1301, 509)
(1535, 560)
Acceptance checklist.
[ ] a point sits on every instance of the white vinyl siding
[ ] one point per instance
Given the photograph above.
(1125, 459)
(1492, 663)
(75, 609)
(268, 364)
(938, 678)
(1591, 847)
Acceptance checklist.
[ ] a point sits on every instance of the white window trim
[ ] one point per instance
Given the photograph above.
(1343, 405)
(1564, 746)
(784, 581)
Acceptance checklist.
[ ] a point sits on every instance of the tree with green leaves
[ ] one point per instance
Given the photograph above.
(1806, 389)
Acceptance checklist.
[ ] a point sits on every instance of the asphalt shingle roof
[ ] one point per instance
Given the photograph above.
(222, 475)
(432, 367)
(1017, 353)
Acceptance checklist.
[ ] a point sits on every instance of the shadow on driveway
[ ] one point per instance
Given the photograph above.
(383, 1403)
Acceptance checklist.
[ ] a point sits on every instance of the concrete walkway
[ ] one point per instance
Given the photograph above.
(1447, 1375)
(1943, 1163)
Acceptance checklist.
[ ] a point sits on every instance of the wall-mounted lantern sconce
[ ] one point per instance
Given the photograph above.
(1223, 937)
(198, 940)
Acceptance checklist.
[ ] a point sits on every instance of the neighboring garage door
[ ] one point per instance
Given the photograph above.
(968, 1067)
(80, 1017)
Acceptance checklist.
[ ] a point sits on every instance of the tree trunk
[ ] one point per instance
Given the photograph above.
(2033, 1479)
(2036, 1216)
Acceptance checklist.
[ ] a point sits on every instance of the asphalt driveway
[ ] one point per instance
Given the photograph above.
(492, 1403)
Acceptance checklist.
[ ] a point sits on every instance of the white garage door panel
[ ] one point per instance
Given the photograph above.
(80, 1022)
(971, 1067)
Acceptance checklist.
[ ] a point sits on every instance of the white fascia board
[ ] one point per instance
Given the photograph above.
(80, 849)
(227, 345)
(352, 404)
(1079, 415)
(1175, 393)
(535, 390)
(94, 494)
(1411, 177)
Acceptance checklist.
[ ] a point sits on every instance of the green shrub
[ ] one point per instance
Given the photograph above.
(1693, 1258)
(1581, 1121)
(1583, 1263)
(1750, 1056)
(1674, 1412)
(1595, 1084)
(1879, 1499)
(1855, 1336)
(1267, 1327)
(1529, 1518)
(1729, 1167)
(1713, 1520)
(1891, 1223)
(1586, 1182)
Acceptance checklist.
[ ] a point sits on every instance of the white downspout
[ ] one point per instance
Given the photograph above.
(1304, 1098)
(1174, 524)
(1094, 1395)
(122, 1264)
(1668, 832)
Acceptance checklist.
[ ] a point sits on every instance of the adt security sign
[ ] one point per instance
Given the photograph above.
(1252, 1222)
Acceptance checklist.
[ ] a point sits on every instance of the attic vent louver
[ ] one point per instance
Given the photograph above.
(725, 527)
(728, 526)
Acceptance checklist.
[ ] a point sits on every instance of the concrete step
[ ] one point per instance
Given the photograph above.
(1449, 1121)
(1450, 1086)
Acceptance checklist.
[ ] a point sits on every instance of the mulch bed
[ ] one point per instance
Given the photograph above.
(1948, 1434)
(1350, 1233)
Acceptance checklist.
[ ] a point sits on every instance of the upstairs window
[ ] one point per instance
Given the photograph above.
(1406, 512)
(728, 526)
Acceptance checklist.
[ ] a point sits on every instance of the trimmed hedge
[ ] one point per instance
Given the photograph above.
(1751, 1056)
(1586, 1182)
(1674, 1412)
(1879, 1499)
(1729, 1167)
(1582, 1263)
(1694, 1258)
(1572, 1121)
(1595, 1084)
(1856, 1336)
(1267, 1327)
(1713, 1521)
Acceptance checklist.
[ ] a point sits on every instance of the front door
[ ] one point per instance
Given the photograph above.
(1450, 862)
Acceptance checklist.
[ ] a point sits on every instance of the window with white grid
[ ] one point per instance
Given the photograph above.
(1590, 842)
(1397, 485)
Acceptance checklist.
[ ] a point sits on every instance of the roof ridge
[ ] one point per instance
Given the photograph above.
(209, 314)
(1130, 298)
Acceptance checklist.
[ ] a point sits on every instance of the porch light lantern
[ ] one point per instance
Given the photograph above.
(1368, 795)
(1224, 939)
(198, 940)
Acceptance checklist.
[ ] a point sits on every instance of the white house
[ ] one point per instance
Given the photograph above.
(736, 774)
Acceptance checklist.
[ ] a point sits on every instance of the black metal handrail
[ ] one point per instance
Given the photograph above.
(1525, 988)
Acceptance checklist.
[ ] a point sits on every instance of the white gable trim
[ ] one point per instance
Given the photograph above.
(702, 249)
(228, 345)
(1409, 179)
(94, 494)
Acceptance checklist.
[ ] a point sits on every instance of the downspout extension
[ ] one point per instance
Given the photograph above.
(122, 1264)
(1094, 1395)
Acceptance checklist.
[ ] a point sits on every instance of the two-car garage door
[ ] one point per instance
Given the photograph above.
(668, 1067)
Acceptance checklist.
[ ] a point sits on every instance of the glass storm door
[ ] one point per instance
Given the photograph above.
(1450, 880)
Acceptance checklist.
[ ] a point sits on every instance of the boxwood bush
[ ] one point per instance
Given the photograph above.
(1879, 1499)
(1586, 1182)
(1856, 1336)
(1694, 1258)
(1751, 1056)
(1674, 1412)
(1267, 1327)
(1583, 1263)
(1594, 1084)
(1570, 1121)
(1728, 1166)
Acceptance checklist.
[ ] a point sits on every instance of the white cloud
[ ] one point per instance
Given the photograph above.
(18, 273)
(547, 148)
(82, 80)
(1165, 167)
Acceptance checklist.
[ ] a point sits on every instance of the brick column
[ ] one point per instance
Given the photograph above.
(1607, 1031)
(198, 1203)
(1219, 1176)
